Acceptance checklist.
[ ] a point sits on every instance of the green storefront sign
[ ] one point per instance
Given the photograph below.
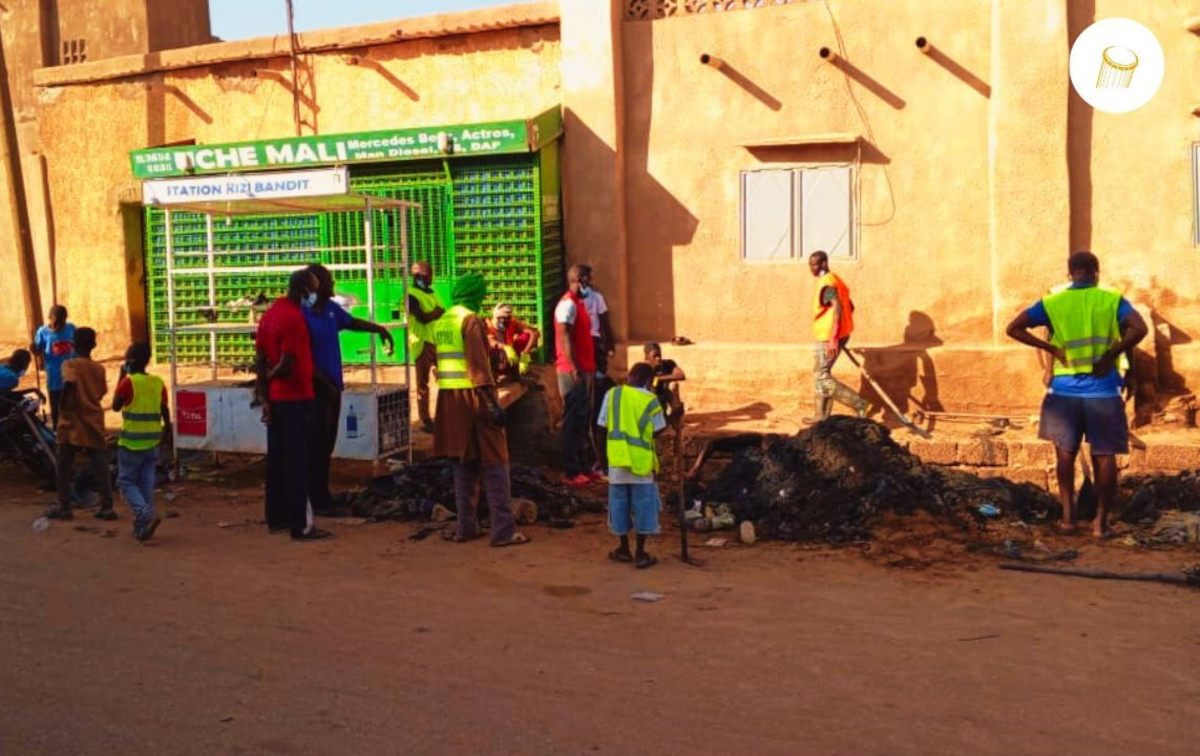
(494, 138)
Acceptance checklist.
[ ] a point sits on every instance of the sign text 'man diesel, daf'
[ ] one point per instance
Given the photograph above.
(318, 150)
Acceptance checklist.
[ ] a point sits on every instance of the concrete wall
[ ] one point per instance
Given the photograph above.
(979, 174)
(89, 127)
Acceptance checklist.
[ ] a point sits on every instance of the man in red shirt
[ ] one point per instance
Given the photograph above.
(284, 366)
(575, 363)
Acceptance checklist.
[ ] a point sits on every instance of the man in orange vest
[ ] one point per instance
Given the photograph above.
(833, 320)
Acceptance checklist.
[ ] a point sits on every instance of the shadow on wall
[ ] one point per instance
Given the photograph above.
(1154, 381)
(1080, 15)
(651, 265)
(667, 223)
(905, 371)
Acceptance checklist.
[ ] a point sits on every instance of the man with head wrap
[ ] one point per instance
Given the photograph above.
(469, 423)
(511, 342)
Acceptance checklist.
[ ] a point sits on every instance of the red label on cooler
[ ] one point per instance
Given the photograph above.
(191, 410)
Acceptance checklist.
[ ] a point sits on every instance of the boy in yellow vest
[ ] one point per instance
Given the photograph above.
(633, 416)
(145, 421)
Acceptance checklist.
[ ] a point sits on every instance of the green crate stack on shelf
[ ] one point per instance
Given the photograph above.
(497, 233)
(427, 228)
(243, 242)
(427, 236)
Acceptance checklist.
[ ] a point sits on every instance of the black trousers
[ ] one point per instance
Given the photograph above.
(289, 443)
(327, 410)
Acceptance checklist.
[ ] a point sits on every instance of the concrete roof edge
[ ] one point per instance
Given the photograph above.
(258, 48)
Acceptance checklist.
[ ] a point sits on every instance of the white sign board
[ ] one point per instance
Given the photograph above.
(247, 186)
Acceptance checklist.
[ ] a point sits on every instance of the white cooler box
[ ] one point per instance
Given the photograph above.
(217, 416)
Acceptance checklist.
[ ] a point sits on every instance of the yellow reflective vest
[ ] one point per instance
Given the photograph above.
(630, 427)
(451, 350)
(1084, 324)
(419, 332)
(141, 419)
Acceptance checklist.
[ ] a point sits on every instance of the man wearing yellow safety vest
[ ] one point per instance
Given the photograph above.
(1092, 328)
(833, 321)
(632, 416)
(145, 421)
(469, 427)
(424, 308)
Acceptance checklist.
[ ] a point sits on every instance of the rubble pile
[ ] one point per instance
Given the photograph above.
(412, 493)
(830, 481)
(1143, 499)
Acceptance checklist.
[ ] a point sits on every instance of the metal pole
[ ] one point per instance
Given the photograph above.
(368, 233)
(212, 292)
(403, 213)
(293, 45)
(173, 353)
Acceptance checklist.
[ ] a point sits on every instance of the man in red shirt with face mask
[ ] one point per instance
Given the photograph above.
(284, 366)
(575, 364)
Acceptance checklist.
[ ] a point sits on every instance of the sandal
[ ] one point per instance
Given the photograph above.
(682, 341)
(646, 560)
(516, 540)
(453, 536)
(619, 555)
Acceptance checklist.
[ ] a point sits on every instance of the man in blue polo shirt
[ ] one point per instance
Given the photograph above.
(326, 318)
(1091, 330)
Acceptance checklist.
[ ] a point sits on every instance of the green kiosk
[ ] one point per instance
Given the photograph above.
(490, 203)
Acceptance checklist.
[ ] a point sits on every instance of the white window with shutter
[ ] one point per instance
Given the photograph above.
(789, 213)
(1196, 193)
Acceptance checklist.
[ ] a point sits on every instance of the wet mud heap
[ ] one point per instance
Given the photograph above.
(412, 492)
(831, 481)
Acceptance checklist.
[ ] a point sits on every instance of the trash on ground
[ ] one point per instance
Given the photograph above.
(715, 543)
(648, 596)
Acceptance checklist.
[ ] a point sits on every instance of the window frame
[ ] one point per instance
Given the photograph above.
(796, 169)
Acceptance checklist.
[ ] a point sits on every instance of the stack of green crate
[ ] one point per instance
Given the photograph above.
(497, 233)
(428, 240)
(290, 241)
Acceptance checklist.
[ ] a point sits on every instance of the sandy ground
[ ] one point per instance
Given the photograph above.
(216, 640)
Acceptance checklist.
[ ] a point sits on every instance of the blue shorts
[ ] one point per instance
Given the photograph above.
(1066, 420)
(633, 506)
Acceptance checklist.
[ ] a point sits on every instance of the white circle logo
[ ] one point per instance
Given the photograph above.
(1116, 65)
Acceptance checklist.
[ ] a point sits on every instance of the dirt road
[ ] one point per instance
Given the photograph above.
(229, 641)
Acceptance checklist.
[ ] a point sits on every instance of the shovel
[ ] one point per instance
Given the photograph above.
(886, 400)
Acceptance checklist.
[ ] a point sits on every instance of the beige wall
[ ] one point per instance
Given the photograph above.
(88, 129)
(979, 175)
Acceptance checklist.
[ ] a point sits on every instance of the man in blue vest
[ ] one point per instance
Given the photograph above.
(633, 416)
(1091, 330)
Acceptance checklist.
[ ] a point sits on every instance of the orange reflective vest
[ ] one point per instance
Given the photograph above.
(823, 323)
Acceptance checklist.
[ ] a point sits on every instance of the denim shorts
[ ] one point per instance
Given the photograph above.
(1066, 420)
(633, 505)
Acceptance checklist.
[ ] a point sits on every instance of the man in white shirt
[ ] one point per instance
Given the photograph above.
(602, 333)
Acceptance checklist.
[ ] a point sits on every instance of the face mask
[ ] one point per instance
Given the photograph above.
(422, 282)
(584, 291)
(309, 299)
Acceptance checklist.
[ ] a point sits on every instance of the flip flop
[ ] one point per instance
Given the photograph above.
(646, 560)
(620, 556)
(453, 536)
(517, 540)
(1066, 529)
